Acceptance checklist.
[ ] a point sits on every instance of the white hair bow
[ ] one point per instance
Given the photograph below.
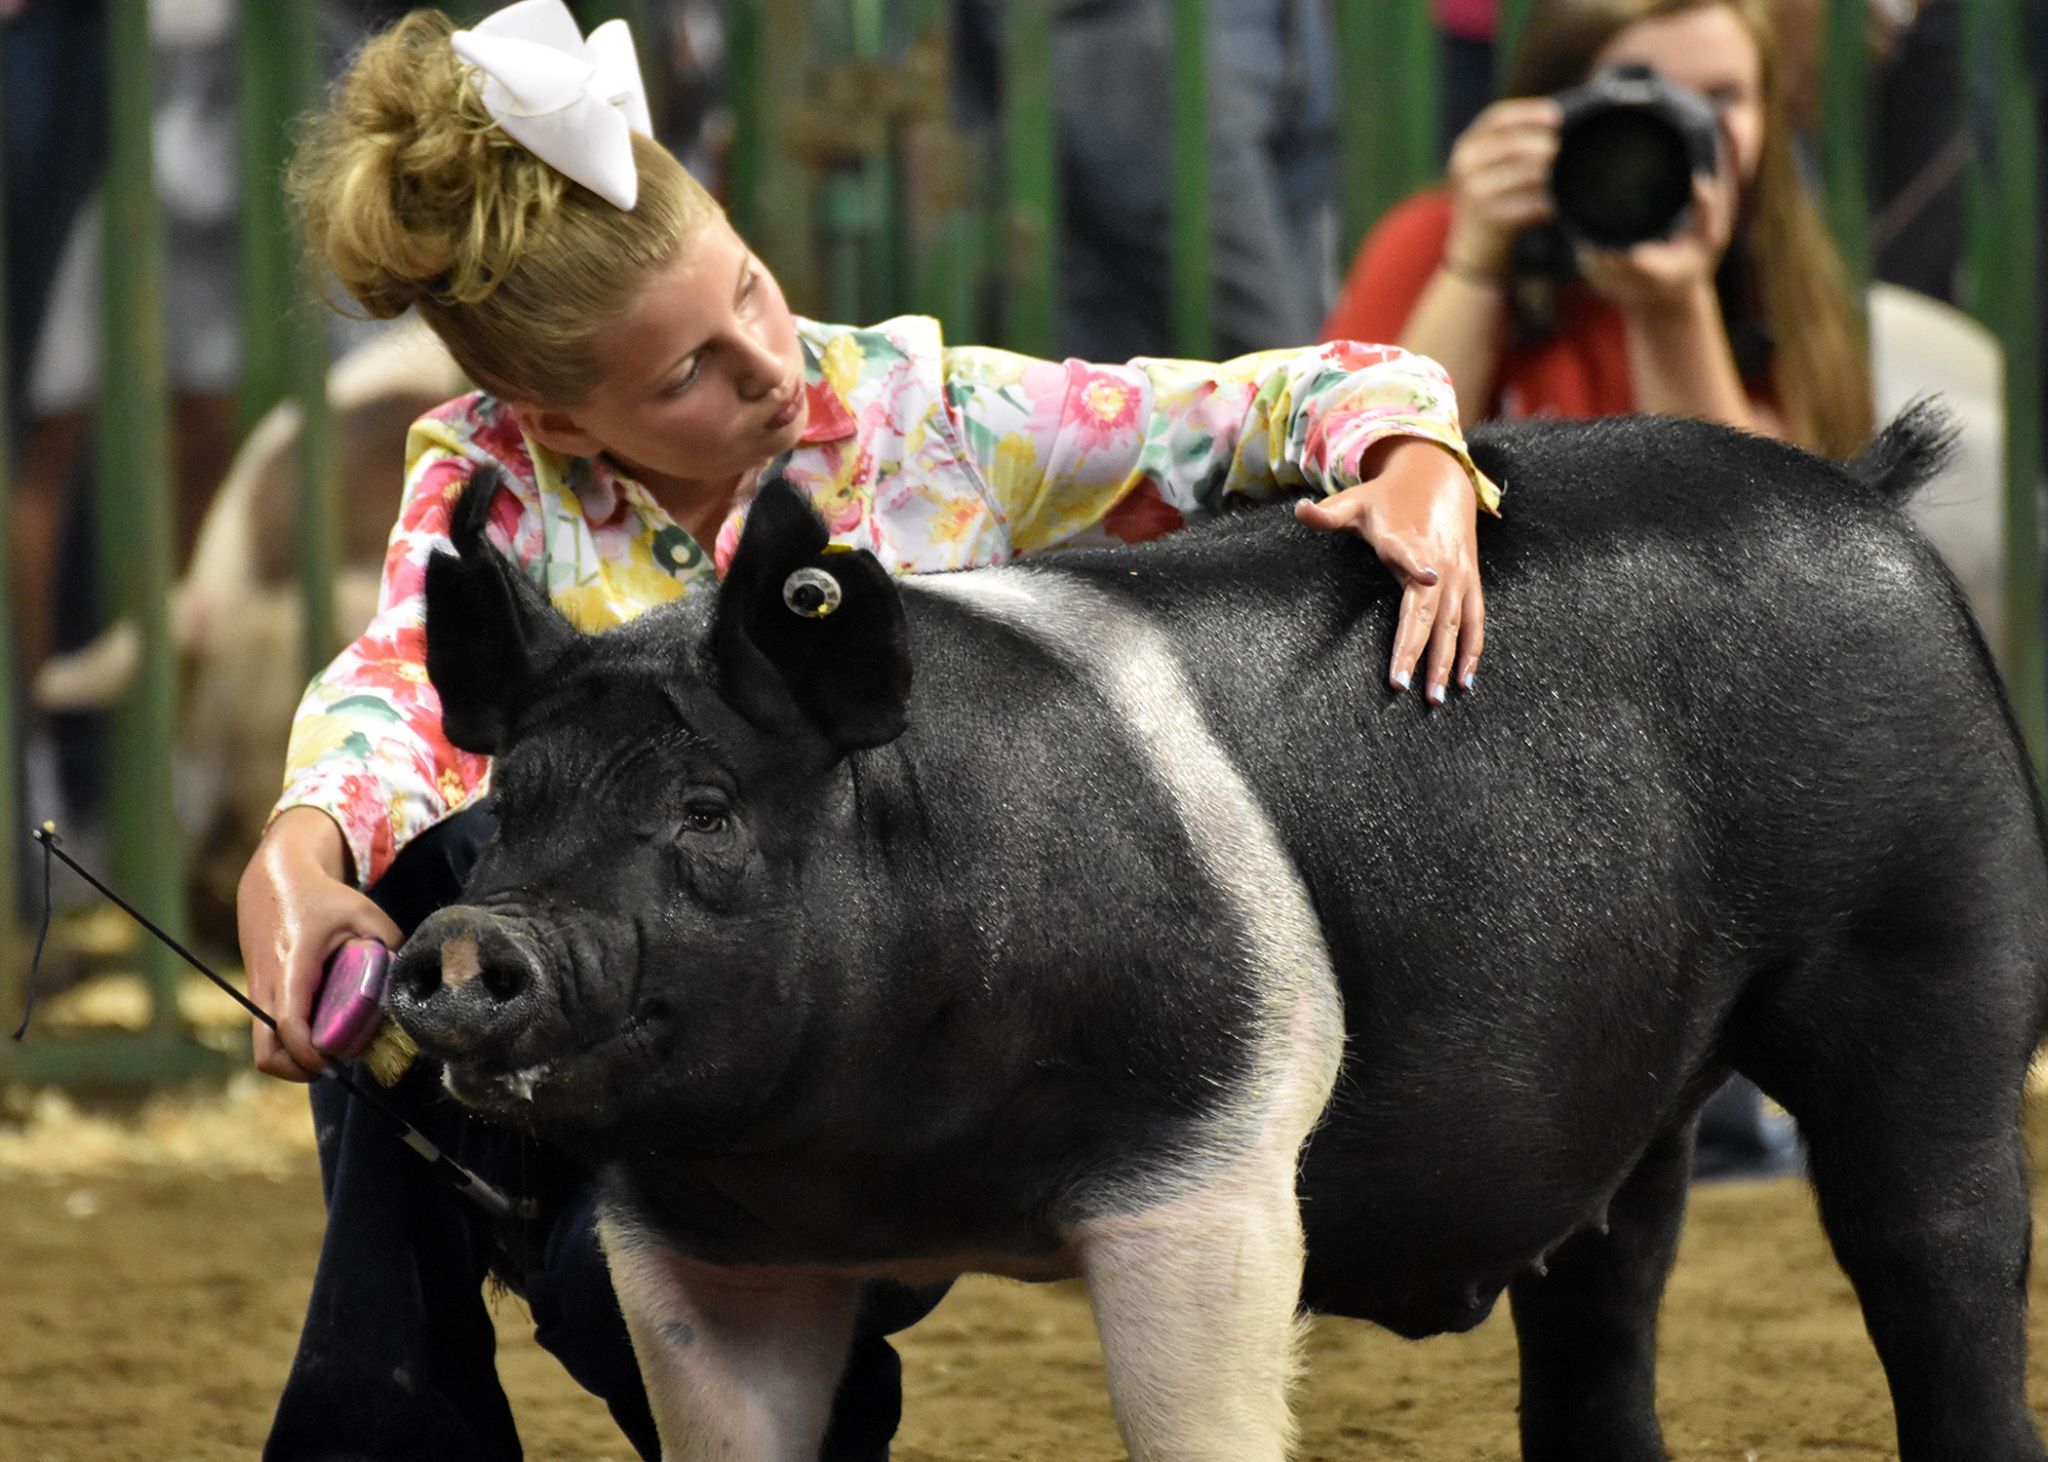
(572, 101)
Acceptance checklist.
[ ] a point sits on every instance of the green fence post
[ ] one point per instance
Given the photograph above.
(1192, 261)
(13, 961)
(944, 239)
(284, 330)
(135, 511)
(1845, 131)
(769, 194)
(1387, 55)
(315, 519)
(1031, 179)
(2004, 255)
(856, 190)
(262, 42)
(1512, 24)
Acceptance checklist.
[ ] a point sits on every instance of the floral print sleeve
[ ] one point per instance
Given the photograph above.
(367, 745)
(1139, 449)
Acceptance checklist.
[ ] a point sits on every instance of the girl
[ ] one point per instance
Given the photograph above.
(639, 368)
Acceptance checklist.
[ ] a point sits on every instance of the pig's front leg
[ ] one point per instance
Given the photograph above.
(1196, 1303)
(739, 1365)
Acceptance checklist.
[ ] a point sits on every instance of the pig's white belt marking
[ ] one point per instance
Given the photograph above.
(1133, 665)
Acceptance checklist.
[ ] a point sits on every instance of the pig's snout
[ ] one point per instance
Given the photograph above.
(461, 985)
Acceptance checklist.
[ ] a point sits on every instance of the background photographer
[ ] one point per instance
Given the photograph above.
(1740, 315)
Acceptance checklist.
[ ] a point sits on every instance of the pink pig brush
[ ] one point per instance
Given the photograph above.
(348, 1018)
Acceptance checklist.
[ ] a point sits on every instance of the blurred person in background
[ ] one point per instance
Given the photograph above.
(1272, 155)
(1742, 317)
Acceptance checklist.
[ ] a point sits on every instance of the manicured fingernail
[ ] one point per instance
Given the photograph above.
(1467, 679)
(1436, 694)
(1400, 678)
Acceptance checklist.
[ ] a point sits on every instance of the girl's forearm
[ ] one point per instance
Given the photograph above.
(306, 836)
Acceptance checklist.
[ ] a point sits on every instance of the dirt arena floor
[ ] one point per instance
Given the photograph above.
(154, 1262)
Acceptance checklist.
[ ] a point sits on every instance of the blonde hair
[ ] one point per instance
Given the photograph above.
(1820, 375)
(415, 198)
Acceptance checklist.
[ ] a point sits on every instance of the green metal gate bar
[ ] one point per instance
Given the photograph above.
(284, 332)
(135, 522)
(135, 507)
(1193, 256)
(13, 954)
(1030, 238)
(1388, 59)
(945, 236)
(1509, 28)
(2004, 267)
(1845, 125)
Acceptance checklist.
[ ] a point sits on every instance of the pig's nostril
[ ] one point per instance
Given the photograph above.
(416, 978)
(504, 978)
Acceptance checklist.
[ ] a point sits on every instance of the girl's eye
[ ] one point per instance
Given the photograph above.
(747, 290)
(683, 383)
(704, 818)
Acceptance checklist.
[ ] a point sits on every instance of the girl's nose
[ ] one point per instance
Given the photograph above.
(761, 371)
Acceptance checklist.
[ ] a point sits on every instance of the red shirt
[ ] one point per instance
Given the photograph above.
(1580, 370)
(1474, 20)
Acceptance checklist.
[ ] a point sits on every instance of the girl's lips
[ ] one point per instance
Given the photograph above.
(787, 413)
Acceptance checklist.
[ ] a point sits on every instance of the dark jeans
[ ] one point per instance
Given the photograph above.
(397, 1357)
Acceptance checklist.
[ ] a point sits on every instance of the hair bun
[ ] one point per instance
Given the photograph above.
(406, 186)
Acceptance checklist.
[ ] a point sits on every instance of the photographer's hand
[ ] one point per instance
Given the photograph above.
(1499, 179)
(1666, 275)
(1679, 359)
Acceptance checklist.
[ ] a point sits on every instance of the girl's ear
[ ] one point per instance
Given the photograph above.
(556, 429)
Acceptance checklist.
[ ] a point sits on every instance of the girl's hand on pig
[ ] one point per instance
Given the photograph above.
(294, 908)
(1417, 509)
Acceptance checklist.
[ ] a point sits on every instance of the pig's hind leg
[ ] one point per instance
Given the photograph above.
(1906, 1072)
(1586, 1325)
(740, 1367)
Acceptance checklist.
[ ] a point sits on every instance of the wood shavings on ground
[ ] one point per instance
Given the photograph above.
(252, 1125)
(120, 1000)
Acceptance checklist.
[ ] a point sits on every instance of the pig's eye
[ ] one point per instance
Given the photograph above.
(704, 818)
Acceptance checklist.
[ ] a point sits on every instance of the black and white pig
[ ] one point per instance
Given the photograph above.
(1105, 917)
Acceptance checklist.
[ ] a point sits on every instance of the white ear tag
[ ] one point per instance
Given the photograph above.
(813, 593)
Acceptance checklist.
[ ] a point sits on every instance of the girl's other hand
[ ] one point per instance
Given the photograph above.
(1499, 178)
(294, 908)
(1417, 509)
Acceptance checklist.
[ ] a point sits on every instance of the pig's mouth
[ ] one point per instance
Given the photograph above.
(542, 1082)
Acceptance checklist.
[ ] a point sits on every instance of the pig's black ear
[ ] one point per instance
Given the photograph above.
(805, 639)
(490, 632)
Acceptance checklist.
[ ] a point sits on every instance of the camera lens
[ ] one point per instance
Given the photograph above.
(1621, 177)
(1627, 150)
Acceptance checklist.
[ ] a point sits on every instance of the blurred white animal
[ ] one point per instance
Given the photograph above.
(1923, 347)
(235, 613)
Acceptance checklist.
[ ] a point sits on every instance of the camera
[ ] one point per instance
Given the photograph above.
(1628, 147)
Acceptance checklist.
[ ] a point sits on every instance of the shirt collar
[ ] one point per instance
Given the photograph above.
(826, 416)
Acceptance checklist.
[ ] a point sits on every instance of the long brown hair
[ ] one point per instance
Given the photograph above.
(1819, 374)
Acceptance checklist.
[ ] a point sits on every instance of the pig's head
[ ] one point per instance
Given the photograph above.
(628, 941)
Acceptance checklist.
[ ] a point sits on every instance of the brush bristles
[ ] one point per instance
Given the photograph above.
(389, 1053)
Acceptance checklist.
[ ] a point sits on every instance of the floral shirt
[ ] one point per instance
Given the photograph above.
(930, 457)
